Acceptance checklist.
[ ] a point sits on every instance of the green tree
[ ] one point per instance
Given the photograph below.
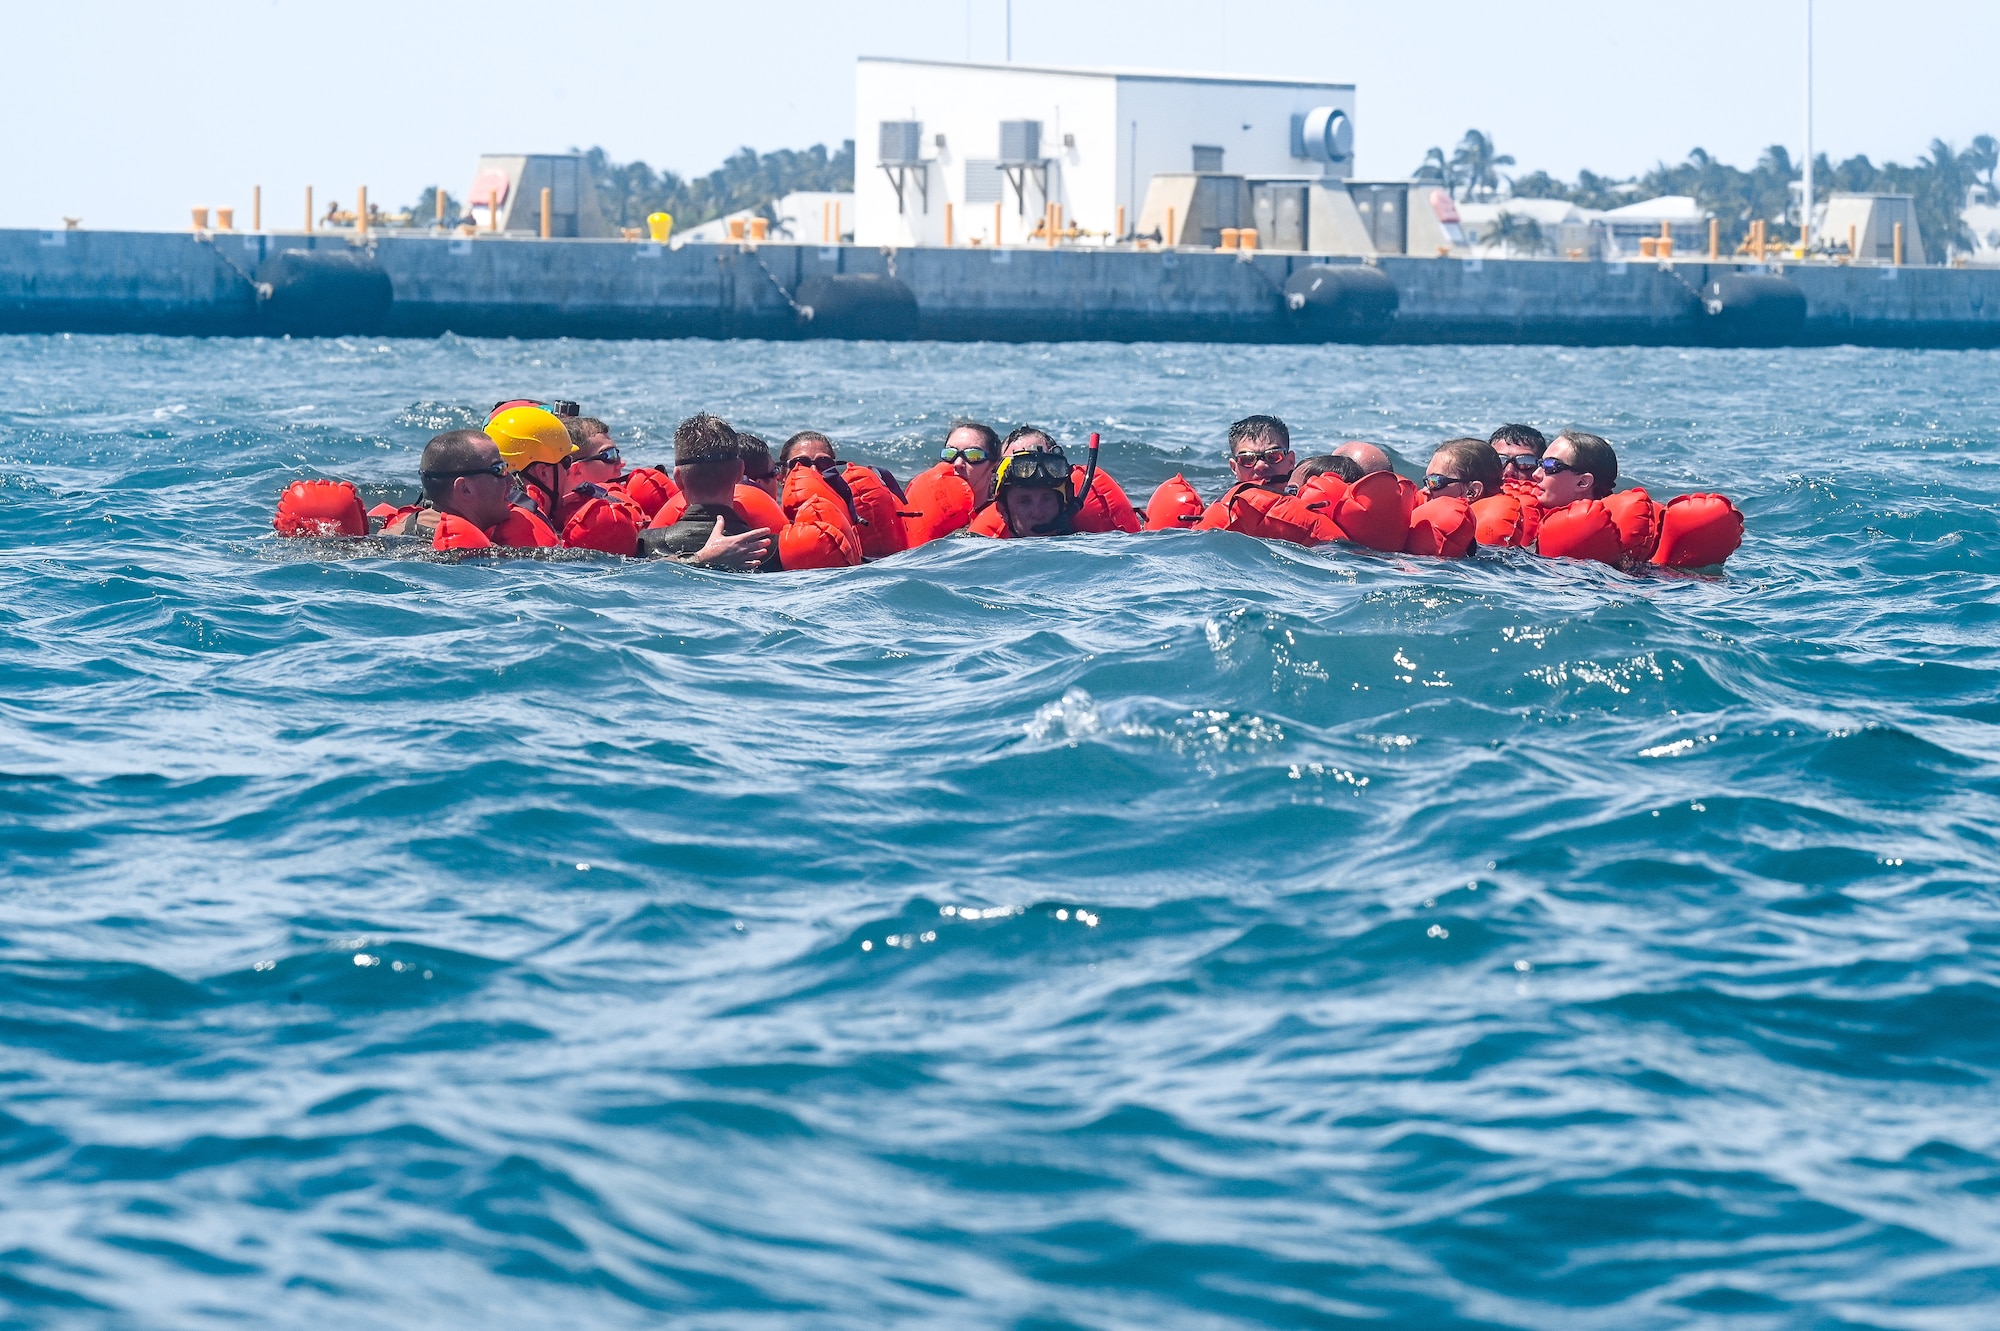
(1438, 166)
(1983, 159)
(628, 191)
(1518, 235)
(1477, 164)
(423, 213)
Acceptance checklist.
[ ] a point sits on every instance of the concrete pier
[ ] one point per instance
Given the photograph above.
(208, 285)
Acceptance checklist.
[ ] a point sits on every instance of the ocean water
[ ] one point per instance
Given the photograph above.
(1166, 931)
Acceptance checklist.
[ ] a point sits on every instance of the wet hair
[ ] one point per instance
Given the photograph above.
(1597, 457)
(756, 456)
(452, 451)
(1519, 436)
(1259, 427)
(1474, 460)
(1344, 467)
(584, 428)
(704, 439)
(805, 437)
(1021, 432)
(989, 438)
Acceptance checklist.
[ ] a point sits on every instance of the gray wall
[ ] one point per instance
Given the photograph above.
(99, 281)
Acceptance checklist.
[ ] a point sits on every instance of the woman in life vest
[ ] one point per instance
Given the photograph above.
(942, 500)
(1034, 494)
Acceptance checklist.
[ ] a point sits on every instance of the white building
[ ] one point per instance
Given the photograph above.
(929, 133)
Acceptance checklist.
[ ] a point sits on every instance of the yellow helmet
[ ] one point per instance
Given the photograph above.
(527, 435)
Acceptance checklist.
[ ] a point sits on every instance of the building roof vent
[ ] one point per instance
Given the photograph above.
(1207, 158)
(902, 142)
(1021, 142)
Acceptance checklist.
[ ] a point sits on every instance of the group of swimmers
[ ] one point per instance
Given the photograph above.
(542, 476)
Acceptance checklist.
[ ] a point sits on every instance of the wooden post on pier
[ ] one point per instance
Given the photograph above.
(256, 207)
(838, 234)
(309, 207)
(1853, 241)
(440, 209)
(1899, 244)
(1714, 239)
(548, 204)
(996, 224)
(1121, 223)
(1666, 250)
(361, 213)
(947, 224)
(1167, 237)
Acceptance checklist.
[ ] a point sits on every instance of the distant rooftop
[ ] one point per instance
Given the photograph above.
(1111, 72)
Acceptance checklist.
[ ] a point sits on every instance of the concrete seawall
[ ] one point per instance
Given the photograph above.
(96, 281)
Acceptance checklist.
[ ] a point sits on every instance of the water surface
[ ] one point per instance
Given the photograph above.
(1167, 930)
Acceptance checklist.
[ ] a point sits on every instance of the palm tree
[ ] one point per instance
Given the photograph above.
(1983, 157)
(1477, 163)
(1438, 167)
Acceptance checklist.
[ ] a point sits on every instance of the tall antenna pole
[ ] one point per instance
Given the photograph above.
(1806, 198)
(1010, 30)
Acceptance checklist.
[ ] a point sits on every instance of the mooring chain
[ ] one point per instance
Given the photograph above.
(804, 312)
(262, 289)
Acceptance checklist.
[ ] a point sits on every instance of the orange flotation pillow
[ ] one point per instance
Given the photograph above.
(1698, 531)
(1637, 518)
(607, 526)
(1507, 519)
(320, 508)
(878, 513)
(648, 488)
(937, 503)
(1105, 508)
(1443, 526)
(820, 531)
(1583, 530)
(1175, 506)
(1375, 511)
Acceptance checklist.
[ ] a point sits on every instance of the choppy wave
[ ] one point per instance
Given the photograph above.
(1166, 929)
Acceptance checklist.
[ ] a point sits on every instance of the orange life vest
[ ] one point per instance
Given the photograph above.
(819, 532)
(1697, 531)
(1582, 530)
(878, 513)
(937, 503)
(1105, 508)
(1443, 526)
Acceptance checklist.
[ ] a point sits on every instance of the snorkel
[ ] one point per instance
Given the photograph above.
(1075, 505)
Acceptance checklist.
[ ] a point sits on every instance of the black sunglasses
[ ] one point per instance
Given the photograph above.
(497, 469)
(1519, 461)
(819, 464)
(1250, 457)
(1555, 467)
(608, 455)
(1437, 482)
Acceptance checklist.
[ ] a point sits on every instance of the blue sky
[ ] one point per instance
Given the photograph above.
(128, 114)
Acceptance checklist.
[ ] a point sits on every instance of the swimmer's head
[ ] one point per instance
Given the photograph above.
(1584, 467)
(1465, 469)
(1369, 457)
(463, 474)
(708, 460)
